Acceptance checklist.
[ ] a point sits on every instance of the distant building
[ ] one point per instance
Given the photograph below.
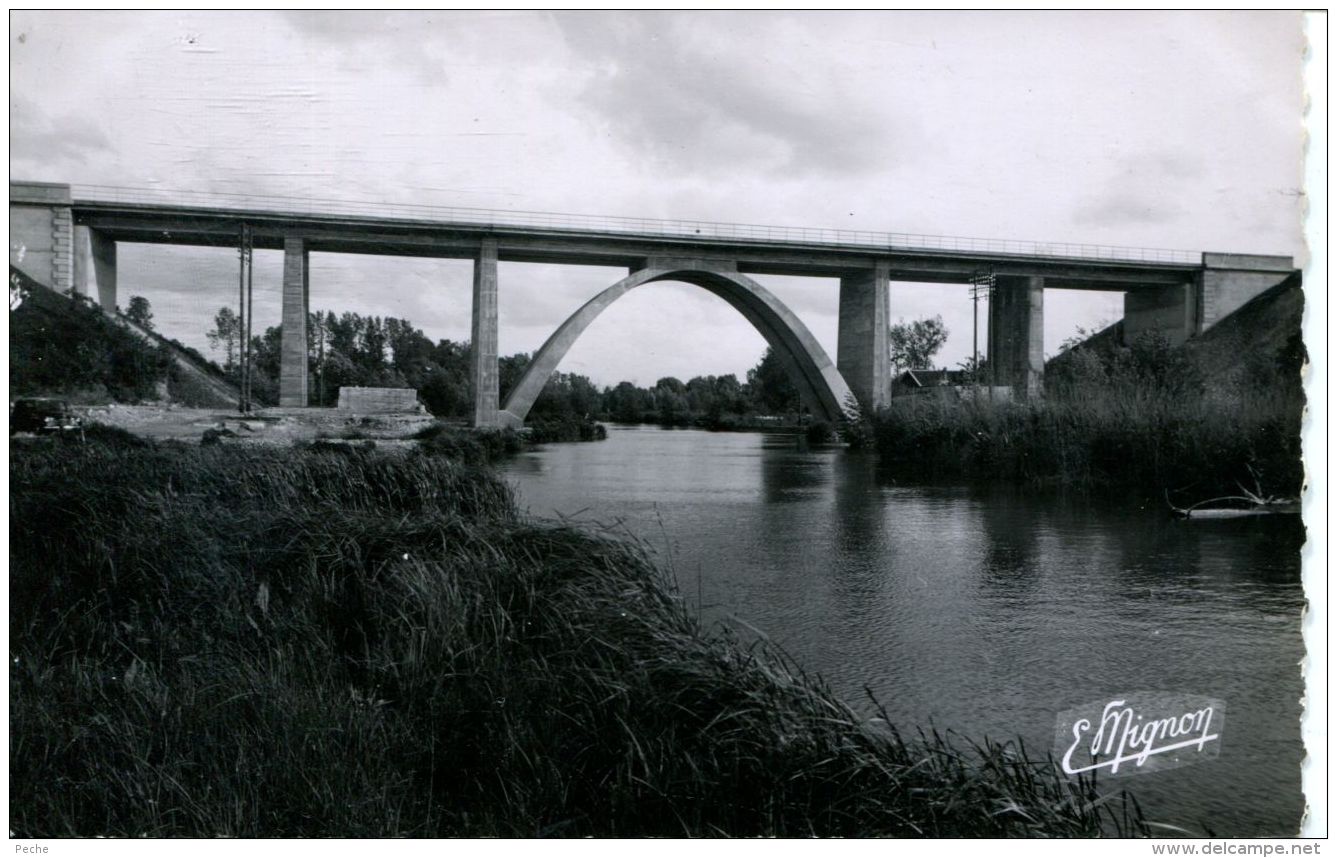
(951, 384)
(920, 380)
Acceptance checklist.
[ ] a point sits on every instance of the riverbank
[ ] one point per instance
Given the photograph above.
(1187, 447)
(266, 642)
(1194, 421)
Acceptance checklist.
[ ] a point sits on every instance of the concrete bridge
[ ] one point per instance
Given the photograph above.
(67, 237)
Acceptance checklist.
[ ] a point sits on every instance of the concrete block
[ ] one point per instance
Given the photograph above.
(379, 400)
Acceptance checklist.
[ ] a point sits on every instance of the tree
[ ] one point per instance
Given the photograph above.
(913, 345)
(374, 343)
(670, 398)
(627, 403)
(772, 390)
(510, 369)
(266, 357)
(730, 394)
(671, 384)
(975, 369)
(1082, 335)
(410, 350)
(226, 335)
(140, 313)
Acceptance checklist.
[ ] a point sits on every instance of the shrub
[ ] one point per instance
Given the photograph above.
(472, 446)
(819, 432)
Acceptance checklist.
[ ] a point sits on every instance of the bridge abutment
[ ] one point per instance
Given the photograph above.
(1226, 282)
(1231, 280)
(1016, 345)
(41, 233)
(483, 371)
(296, 307)
(862, 356)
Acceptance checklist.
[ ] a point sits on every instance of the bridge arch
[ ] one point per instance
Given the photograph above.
(820, 385)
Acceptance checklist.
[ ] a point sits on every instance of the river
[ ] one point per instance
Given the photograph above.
(983, 612)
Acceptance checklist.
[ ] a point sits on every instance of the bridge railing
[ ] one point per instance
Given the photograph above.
(693, 229)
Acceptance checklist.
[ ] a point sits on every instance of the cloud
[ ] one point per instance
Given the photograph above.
(697, 98)
(1143, 190)
(37, 138)
(368, 37)
(1127, 209)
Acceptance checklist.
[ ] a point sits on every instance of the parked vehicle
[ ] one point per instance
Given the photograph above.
(43, 416)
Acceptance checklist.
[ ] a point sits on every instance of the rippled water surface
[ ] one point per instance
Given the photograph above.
(987, 613)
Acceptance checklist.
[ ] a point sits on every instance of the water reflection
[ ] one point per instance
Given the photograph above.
(1009, 569)
(983, 612)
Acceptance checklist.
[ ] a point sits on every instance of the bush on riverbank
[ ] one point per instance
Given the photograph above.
(550, 428)
(260, 642)
(1198, 447)
(1149, 417)
(479, 446)
(472, 446)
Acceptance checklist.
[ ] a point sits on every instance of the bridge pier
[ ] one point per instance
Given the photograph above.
(1171, 311)
(483, 371)
(296, 307)
(862, 356)
(95, 266)
(1016, 345)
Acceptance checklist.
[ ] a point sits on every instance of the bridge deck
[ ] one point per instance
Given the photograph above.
(136, 215)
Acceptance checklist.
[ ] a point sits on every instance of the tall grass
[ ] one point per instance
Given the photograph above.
(1152, 445)
(1143, 421)
(219, 641)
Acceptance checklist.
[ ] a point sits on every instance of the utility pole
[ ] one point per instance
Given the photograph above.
(981, 286)
(244, 301)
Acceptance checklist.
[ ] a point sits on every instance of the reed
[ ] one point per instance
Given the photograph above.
(222, 641)
(1151, 441)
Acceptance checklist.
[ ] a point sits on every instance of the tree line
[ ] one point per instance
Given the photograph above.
(349, 349)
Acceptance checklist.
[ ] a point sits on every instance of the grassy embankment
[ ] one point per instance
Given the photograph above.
(68, 348)
(1195, 421)
(227, 641)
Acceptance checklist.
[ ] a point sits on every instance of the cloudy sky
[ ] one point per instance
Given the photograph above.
(1178, 130)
